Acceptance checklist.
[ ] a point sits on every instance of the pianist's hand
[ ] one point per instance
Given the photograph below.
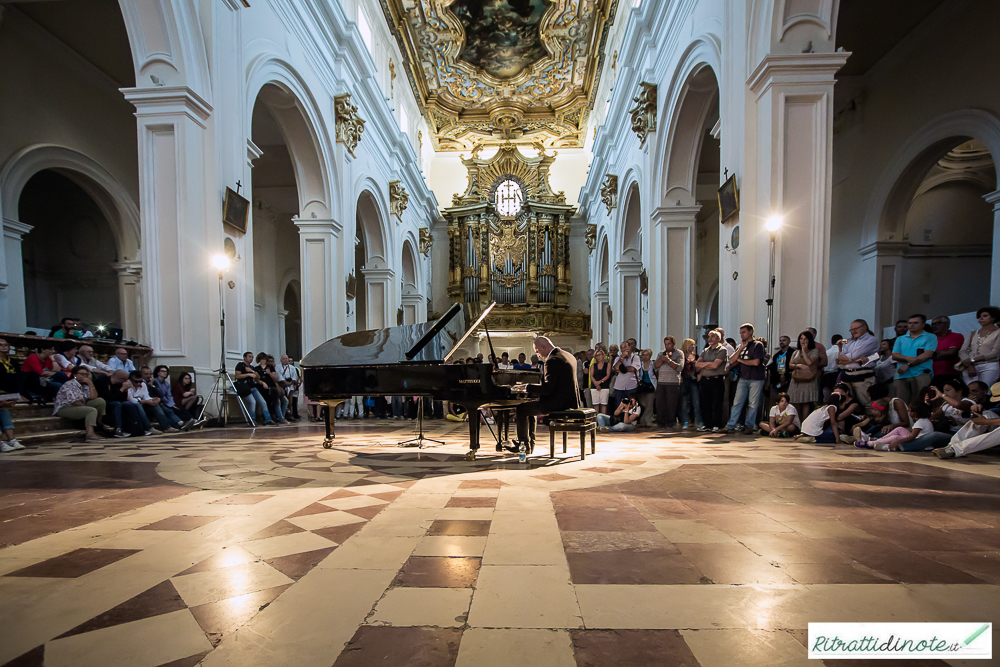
(519, 387)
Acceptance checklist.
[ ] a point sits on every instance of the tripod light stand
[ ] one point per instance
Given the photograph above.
(773, 224)
(223, 380)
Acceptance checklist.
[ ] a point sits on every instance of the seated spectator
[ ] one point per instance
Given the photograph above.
(161, 381)
(979, 393)
(882, 416)
(522, 363)
(66, 360)
(186, 395)
(121, 362)
(9, 443)
(77, 399)
(505, 364)
(822, 425)
(96, 366)
(248, 385)
(40, 378)
(139, 393)
(68, 328)
(536, 363)
(154, 392)
(126, 418)
(979, 433)
(980, 354)
(902, 438)
(276, 400)
(629, 411)
(783, 420)
(913, 353)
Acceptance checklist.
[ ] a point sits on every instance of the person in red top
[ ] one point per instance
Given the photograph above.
(39, 376)
(946, 356)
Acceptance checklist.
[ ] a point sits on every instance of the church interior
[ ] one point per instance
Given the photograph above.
(736, 256)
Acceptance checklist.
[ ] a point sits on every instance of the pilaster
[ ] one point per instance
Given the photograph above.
(379, 298)
(321, 280)
(13, 315)
(627, 316)
(994, 199)
(672, 273)
(130, 298)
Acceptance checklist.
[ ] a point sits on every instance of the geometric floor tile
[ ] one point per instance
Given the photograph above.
(180, 523)
(438, 572)
(160, 599)
(295, 566)
(597, 648)
(228, 582)
(384, 645)
(222, 618)
(74, 564)
(439, 607)
(286, 545)
(275, 530)
(460, 527)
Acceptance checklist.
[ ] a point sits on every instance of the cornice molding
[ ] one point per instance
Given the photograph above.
(796, 69)
(169, 101)
(906, 250)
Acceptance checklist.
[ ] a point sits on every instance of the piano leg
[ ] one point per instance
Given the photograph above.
(331, 411)
(473, 432)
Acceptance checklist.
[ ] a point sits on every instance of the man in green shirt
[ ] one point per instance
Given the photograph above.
(70, 328)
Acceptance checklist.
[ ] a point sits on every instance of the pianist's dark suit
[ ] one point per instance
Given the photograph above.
(558, 391)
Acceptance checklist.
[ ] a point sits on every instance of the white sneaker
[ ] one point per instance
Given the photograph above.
(153, 431)
(15, 444)
(882, 447)
(5, 447)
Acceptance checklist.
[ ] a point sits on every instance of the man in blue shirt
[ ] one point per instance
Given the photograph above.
(912, 353)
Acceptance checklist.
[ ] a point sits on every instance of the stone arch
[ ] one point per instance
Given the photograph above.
(115, 204)
(376, 288)
(167, 42)
(371, 221)
(630, 239)
(281, 89)
(408, 268)
(901, 178)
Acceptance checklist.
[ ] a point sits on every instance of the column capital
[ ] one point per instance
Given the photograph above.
(991, 198)
(378, 274)
(14, 229)
(253, 152)
(317, 227)
(128, 268)
(675, 216)
(628, 268)
(168, 101)
(796, 69)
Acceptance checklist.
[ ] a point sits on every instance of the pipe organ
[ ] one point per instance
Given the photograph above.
(509, 242)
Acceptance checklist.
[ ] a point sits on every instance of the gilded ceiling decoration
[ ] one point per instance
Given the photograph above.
(490, 71)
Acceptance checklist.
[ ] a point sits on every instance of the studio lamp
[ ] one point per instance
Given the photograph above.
(773, 224)
(220, 262)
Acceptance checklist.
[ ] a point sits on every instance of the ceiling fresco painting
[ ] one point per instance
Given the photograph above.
(492, 71)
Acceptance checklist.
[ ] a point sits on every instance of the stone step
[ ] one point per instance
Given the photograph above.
(28, 425)
(46, 437)
(24, 411)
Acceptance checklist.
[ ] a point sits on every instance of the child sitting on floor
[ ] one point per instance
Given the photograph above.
(901, 437)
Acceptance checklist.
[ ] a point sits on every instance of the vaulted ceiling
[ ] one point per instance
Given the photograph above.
(489, 71)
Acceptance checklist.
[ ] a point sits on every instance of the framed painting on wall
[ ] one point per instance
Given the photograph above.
(729, 199)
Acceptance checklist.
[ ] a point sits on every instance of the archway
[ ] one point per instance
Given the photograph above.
(629, 266)
(600, 320)
(293, 320)
(410, 298)
(374, 276)
(69, 255)
(935, 252)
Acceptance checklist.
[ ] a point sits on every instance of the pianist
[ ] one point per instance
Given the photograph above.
(558, 390)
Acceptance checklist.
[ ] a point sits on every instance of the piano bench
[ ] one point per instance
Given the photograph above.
(582, 421)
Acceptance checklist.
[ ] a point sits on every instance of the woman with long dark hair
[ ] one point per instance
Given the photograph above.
(803, 392)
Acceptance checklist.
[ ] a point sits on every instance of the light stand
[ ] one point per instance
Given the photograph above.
(223, 380)
(773, 225)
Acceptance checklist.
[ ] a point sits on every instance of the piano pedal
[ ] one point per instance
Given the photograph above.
(471, 456)
(499, 448)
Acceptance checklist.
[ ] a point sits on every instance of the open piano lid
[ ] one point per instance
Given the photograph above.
(424, 342)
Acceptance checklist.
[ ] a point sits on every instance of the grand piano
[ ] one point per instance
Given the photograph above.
(412, 360)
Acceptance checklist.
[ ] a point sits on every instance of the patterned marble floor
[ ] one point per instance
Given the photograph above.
(242, 547)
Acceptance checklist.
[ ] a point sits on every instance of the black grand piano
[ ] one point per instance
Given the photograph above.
(411, 360)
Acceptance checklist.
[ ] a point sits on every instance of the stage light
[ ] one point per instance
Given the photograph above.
(773, 223)
(220, 262)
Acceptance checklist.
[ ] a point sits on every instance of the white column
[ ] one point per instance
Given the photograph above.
(600, 328)
(994, 198)
(672, 274)
(411, 308)
(794, 140)
(626, 316)
(379, 295)
(13, 314)
(176, 205)
(130, 298)
(321, 280)
(282, 349)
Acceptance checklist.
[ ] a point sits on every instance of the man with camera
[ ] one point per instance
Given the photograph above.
(629, 411)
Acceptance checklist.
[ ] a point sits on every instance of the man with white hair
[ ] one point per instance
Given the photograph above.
(558, 391)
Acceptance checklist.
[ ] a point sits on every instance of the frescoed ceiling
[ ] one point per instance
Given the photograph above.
(490, 71)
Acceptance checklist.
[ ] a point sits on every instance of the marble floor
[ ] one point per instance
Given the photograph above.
(240, 547)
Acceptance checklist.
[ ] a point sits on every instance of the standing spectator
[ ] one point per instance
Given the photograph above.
(711, 369)
(289, 379)
(77, 399)
(247, 388)
(186, 395)
(279, 391)
(885, 367)
(68, 328)
(10, 443)
(536, 363)
(913, 353)
(779, 373)
(626, 373)
(139, 393)
(823, 359)
(900, 328)
(690, 399)
(669, 365)
(600, 375)
(831, 372)
(647, 387)
(748, 359)
(857, 361)
(96, 366)
(803, 392)
(946, 355)
(121, 362)
(981, 351)
(505, 364)
(522, 363)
